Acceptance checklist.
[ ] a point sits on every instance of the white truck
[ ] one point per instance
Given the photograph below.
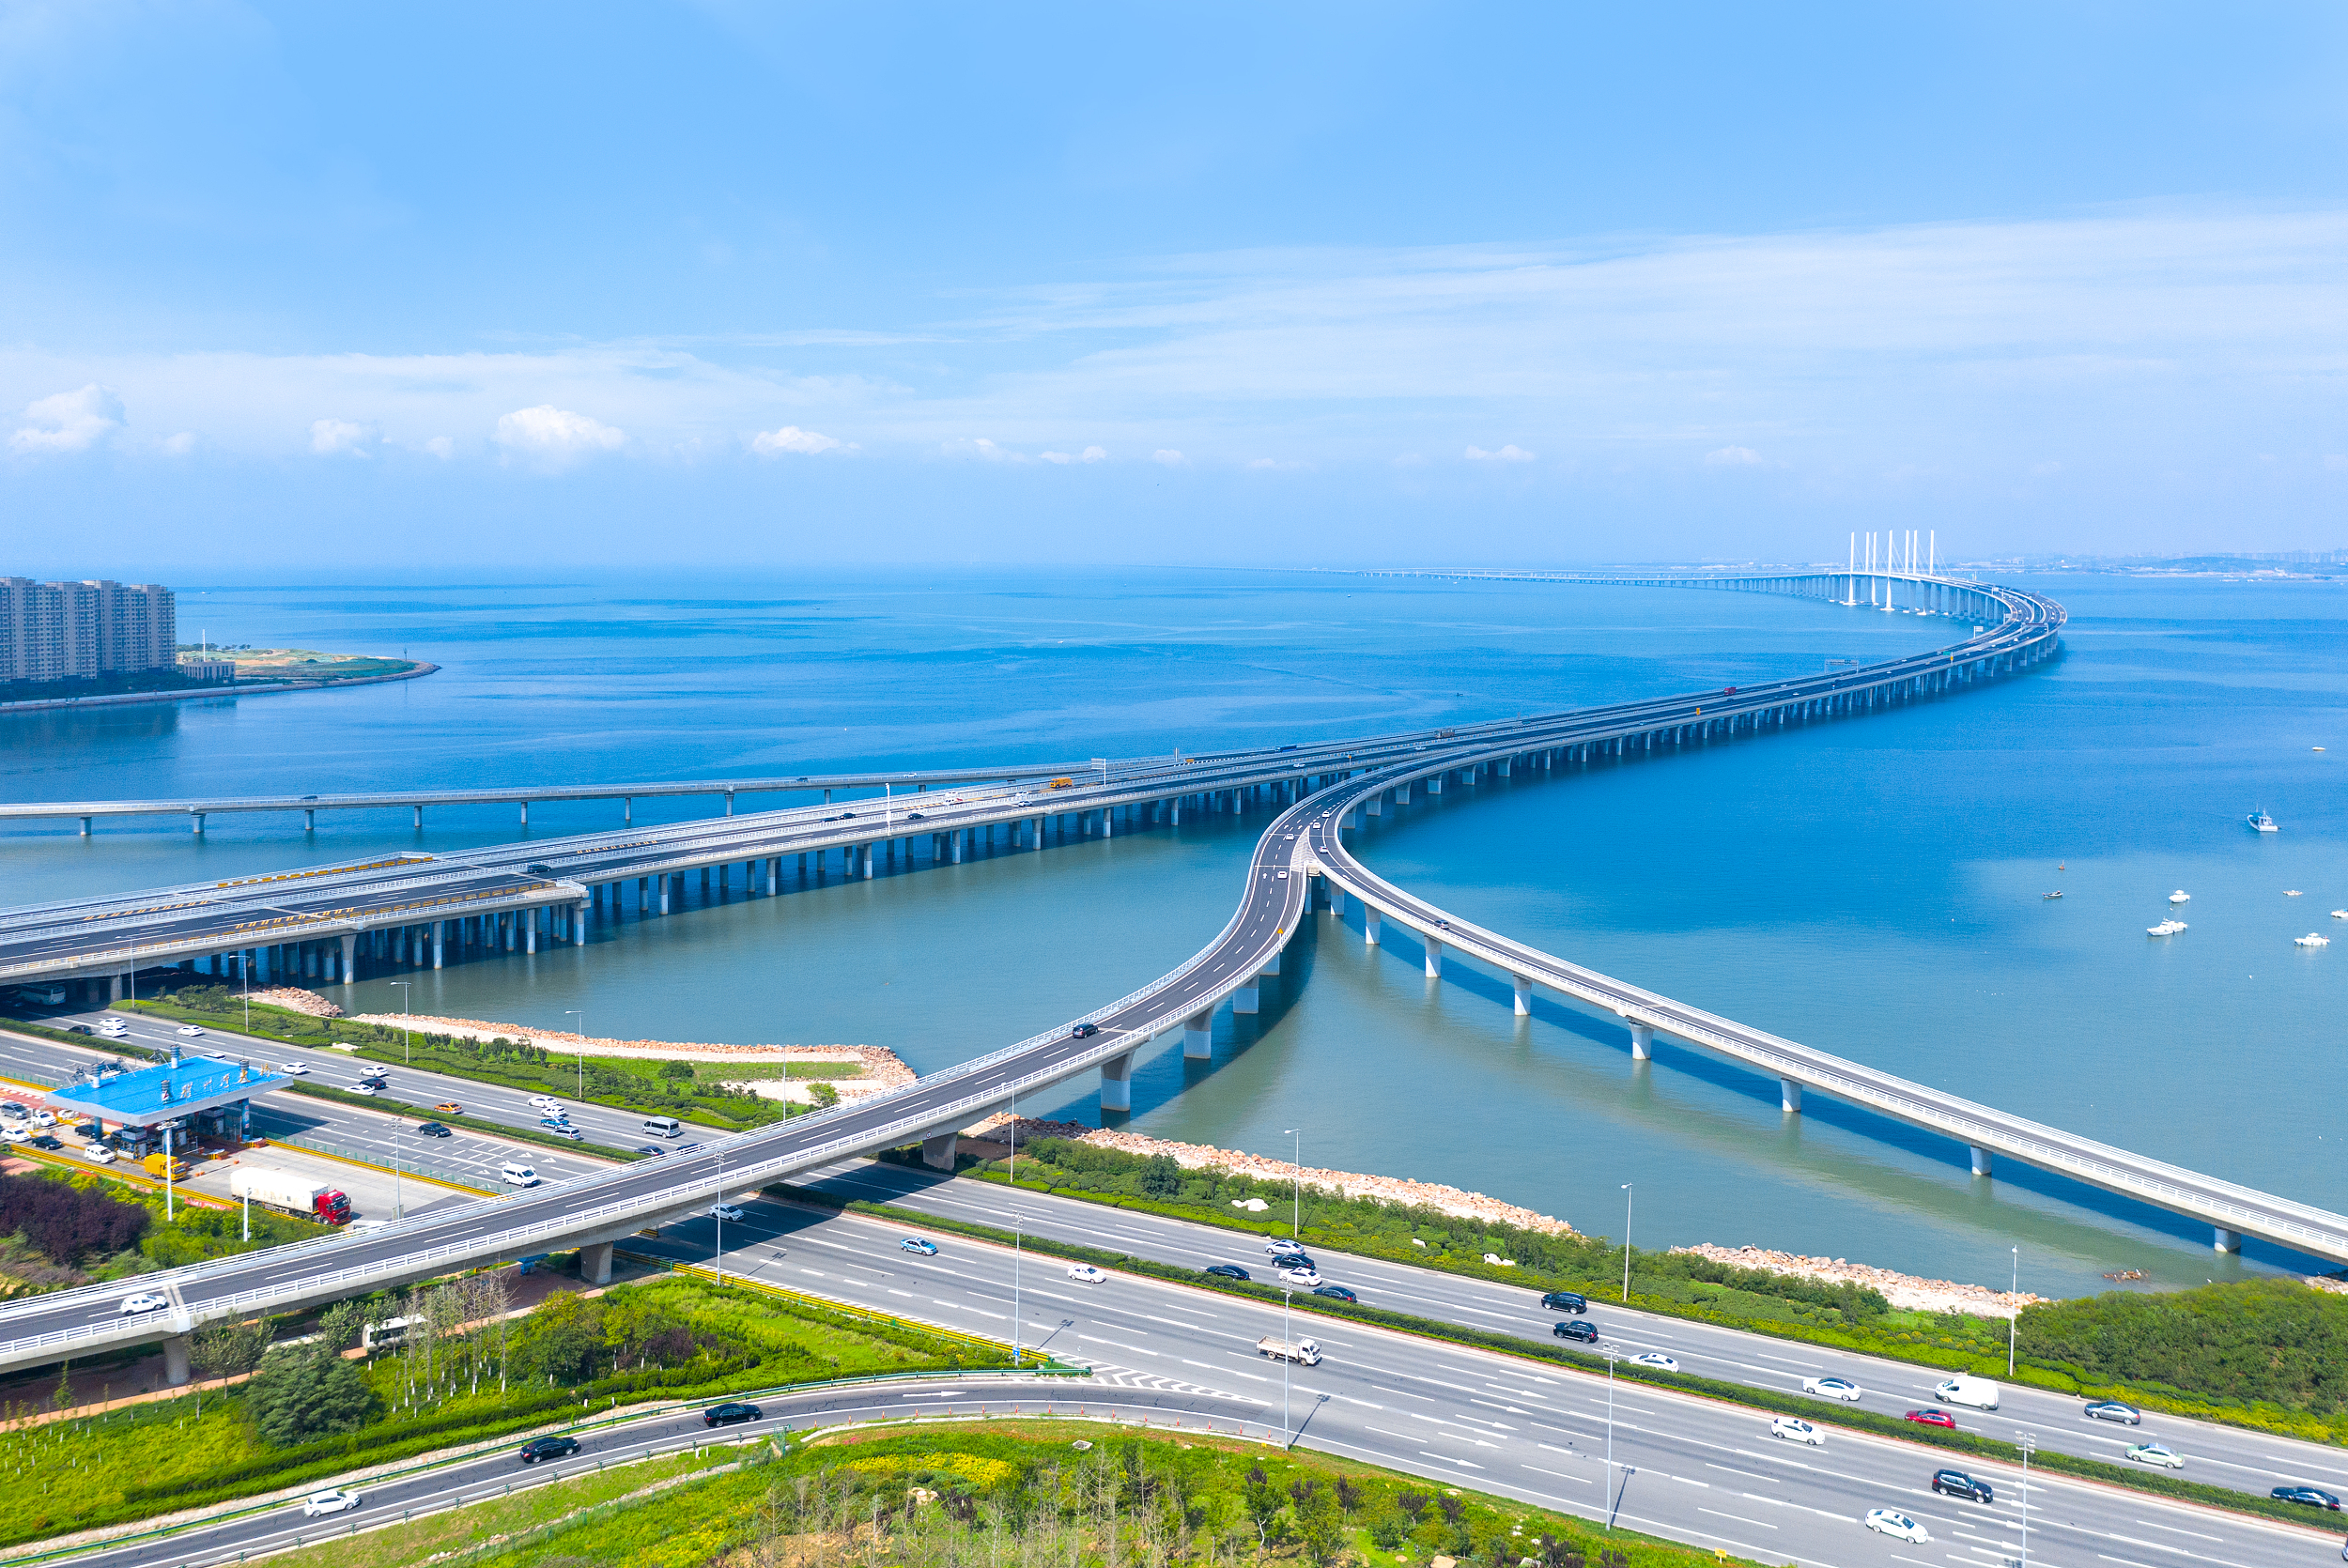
(1964, 1389)
(289, 1193)
(1303, 1352)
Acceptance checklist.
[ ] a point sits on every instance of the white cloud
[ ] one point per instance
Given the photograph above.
(556, 435)
(769, 443)
(1089, 454)
(69, 421)
(441, 447)
(331, 438)
(1731, 458)
(1275, 463)
(1055, 457)
(1511, 453)
(180, 445)
(1169, 456)
(985, 450)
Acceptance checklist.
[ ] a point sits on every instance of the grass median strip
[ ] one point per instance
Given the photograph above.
(1559, 1354)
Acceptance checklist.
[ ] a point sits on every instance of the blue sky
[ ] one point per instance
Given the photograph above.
(693, 286)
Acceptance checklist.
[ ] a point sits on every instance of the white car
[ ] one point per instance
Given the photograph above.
(97, 1154)
(1885, 1521)
(44, 1119)
(1797, 1431)
(15, 1132)
(1657, 1359)
(1834, 1387)
(368, 1086)
(1307, 1277)
(143, 1301)
(545, 1103)
(725, 1211)
(1084, 1273)
(2157, 1453)
(189, 1030)
(113, 1026)
(294, 1069)
(328, 1502)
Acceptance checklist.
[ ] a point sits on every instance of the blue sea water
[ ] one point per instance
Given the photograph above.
(1872, 887)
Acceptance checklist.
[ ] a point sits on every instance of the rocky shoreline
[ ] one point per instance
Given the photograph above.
(1906, 1292)
(1352, 1184)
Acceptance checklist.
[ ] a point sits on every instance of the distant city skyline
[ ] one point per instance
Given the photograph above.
(703, 288)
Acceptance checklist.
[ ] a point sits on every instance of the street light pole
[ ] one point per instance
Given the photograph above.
(1288, 1359)
(1017, 1226)
(1610, 1438)
(407, 1053)
(580, 1014)
(1627, 1197)
(2014, 1324)
(716, 1212)
(1296, 1186)
(2028, 1441)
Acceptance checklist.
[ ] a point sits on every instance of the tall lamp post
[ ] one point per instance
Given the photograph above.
(580, 1014)
(2014, 1324)
(1018, 1222)
(1288, 1344)
(1296, 1186)
(717, 1213)
(1627, 1197)
(1610, 1437)
(407, 1054)
(2028, 1441)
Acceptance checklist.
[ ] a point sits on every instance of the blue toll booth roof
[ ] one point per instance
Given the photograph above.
(159, 1094)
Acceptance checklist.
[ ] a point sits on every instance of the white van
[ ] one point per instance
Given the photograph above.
(663, 1127)
(1979, 1393)
(519, 1174)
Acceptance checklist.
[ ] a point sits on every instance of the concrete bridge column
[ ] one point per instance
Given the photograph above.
(1369, 926)
(1116, 1082)
(1435, 785)
(175, 1369)
(938, 1151)
(198, 818)
(1789, 1096)
(1336, 900)
(867, 857)
(84, 828)
(1981, 1160)
(440, 940)
(350, 955)
(578, 926)
(594, 1263)
(1108, 822)
(1198, 1037)
(664, 892)
(1243, 1000)
(958, 836)
(1641, 1042)
(420, 818)
(1378, 804)
(2226, 1240)
(114, 988)
(1434, 959)
(1524, 996)
(529, 928)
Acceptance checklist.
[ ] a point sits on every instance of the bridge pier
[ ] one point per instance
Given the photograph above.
(579, 925)
(1981, 1160)
(2226, 1240)
(938, 1151)
(1641, 1042)
(594, 1263)
(1369, 926)
(1198, 1037)
(197, 817)
(1434, 959)
(529, 925)
(1116, 1082)
(440, 938)
(1243, 1000)
(1524, 996)
(175, 1369)
(309, 819)
(1789, 1096)
(350, 957)
(84, 828)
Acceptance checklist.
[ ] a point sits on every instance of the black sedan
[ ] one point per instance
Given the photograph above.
(1582, 1329)
(2310, 1496)
(1336, 1293)
(1228, 1270)
(1957, 1483)
(44, 1142)
(432, 1129)
(729, 1413)
(1084, 1031)
(2111, 1409)
(549, 1448)
(1566, 1301)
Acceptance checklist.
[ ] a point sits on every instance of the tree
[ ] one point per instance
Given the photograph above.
(1318, 1521)
(562, 1337)
(306, 1392)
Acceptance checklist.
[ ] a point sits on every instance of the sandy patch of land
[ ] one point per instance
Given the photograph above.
(1906, 1292)
(1352, 1184)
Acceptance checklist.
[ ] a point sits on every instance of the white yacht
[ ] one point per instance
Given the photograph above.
(2312, 940)
(2260, 823)
(2167, 927)
(2340, 914)
(2181, 896)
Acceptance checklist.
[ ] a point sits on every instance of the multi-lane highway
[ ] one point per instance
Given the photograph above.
(594, 1211)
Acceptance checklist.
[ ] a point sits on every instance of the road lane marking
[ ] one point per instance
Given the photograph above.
(1739, 1517)
(1577, 1479)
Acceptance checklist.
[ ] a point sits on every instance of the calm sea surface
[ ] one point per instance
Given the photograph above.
(1872, 887)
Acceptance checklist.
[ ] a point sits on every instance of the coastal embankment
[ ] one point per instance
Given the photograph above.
(214, 694)
(1906, 1292)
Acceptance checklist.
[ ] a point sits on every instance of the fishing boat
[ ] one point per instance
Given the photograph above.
(2312, 940)
(2181, 896)
(2260, 823)
(2050, 895)
(2167, 927)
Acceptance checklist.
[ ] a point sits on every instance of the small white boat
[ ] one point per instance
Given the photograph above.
(2340, 914)
(2312, 940)
(2292, 893)
(2260, 823)
(2167, 927)
(2181, 896)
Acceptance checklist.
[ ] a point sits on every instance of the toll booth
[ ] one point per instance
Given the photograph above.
(193, 1097)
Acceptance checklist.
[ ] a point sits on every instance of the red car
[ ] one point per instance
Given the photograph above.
(1933, 1418)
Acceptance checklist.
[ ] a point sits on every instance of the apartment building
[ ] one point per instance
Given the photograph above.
(84, 631)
